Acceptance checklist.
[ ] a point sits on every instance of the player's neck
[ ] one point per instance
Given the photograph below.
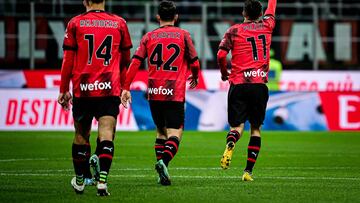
(166, 23)
(251, 21)
(96, 7)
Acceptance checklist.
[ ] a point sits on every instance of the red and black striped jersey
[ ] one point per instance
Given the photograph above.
(249, 44)
(169, 51)
(97, 38)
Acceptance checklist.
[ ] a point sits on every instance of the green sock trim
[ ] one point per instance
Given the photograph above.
(103, 176)
(79, 180)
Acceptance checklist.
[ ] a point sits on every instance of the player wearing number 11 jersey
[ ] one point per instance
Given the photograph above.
(249, 44)
(170, 53)
(96, 52)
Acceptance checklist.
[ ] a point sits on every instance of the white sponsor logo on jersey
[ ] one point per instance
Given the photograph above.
(161, 90)
(95, 86)
(258, 73)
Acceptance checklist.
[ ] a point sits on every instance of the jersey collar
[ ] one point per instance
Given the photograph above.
(96, 11)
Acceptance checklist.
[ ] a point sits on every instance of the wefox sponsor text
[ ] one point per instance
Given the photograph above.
(258, 73)
(160, 90)
(95, 86)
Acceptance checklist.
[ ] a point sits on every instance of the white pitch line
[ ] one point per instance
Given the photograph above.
(180, 156)
(194, 177)
(185, 169)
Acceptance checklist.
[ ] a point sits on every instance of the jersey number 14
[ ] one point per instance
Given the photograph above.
(103, 51)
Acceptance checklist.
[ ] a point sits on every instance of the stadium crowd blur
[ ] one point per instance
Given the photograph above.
(8, 7)
(333, 12)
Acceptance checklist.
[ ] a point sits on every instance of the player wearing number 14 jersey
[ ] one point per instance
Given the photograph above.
(170, 53)
(96, 52)
(249, 43)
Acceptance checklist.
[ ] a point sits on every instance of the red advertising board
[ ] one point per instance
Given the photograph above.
(342, 110)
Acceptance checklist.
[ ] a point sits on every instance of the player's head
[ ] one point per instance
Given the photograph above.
(252, 9)
(167, 11)
(88, 3)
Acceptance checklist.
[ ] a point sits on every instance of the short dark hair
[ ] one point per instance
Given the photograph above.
(167, 10)
(95, 1)
(253, 9)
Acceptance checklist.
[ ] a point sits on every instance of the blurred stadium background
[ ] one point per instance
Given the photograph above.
(315, 83)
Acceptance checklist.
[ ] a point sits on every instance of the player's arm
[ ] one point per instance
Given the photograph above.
(271, 8)
(225, 46)
(125, 46)
(193, 61)
(135, 64)
(69, 47)
(222, 63)
(125, 61)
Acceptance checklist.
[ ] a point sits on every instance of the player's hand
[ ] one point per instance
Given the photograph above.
(225, 77)
(193, 81)
(125, 98)
(65, 99)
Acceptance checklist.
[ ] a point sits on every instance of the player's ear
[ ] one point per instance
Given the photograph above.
(158, 17)
(244, 15)
(85, 3)
(176, 17)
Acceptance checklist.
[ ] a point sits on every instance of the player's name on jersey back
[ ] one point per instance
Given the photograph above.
(162, 35)
(99, 23)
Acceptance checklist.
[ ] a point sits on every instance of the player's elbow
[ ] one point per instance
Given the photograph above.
(125, 58)
(221, 55)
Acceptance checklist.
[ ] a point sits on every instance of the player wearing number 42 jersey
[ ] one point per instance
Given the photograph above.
(170, 53)
(249, 43)
(96, 52)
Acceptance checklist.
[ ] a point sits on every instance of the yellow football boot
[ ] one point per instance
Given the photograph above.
(247, 176)
(226, 158)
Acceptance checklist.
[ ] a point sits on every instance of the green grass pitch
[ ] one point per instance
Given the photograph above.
(292, 167)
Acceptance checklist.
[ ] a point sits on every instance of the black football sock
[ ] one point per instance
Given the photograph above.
(79, 161)
(171, 147)
(87, 172)
(159, 148)
(253, 152)
(97, 150)
(232, 136)
(105, 159)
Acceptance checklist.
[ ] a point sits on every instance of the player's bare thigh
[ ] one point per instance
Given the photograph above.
(106, 128)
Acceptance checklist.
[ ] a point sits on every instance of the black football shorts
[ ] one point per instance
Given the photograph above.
(85, 109)
(247, 102)
(167, 114)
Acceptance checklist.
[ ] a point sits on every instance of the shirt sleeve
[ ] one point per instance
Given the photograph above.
(125, 37)
(227, 40)
(269, 21)
(269, 17)
(190, 50)
(271, 8)
(66, 70)
(141, 51)
(70, 36)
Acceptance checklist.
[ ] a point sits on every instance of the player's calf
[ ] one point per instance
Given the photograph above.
(253, 152)
(79, 162)
(232, 137)
(159, 148)
(170, 150)
(106, 153)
